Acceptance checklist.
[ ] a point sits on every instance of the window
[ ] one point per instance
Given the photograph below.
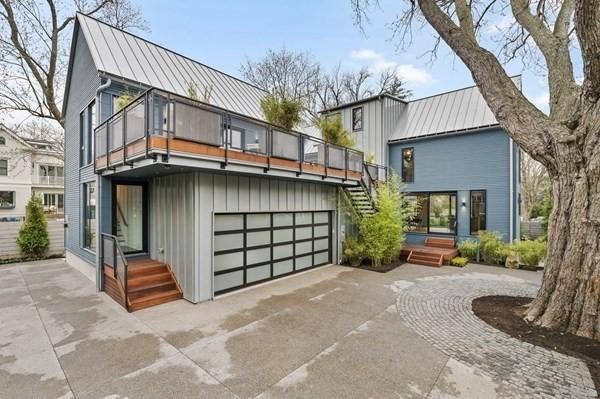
(431, 213)
(7, 199)
(2, 140)
(89, 216)
(478, 205)
(418, 206)
(87, 123)
(357, 119)
(3, 167)
(408, 165)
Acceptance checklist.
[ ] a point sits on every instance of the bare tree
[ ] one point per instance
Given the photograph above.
(566, 141)
(356, 85)
(34, 49)
(390, 83)
(534, 183)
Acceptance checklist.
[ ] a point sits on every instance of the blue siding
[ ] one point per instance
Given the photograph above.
(473, 161)
(84, 82)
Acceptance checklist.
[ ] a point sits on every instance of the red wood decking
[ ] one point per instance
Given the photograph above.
(436, 251)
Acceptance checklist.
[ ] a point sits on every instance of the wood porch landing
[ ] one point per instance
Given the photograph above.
(436, 252)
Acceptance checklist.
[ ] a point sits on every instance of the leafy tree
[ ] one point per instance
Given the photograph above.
(281, 111)
(33, 237)
(553, 36)
(124, 99)
(382, 234)
(332, 130)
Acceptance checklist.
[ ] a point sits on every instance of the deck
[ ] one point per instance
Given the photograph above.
(436, 251)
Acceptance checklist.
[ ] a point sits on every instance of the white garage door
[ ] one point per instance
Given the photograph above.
(251, 248)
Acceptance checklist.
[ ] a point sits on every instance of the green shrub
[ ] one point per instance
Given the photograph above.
(459, 261)
(124, 99)
(492, 248)
(332, 130)
(354, 251)
(33, 237)
(531, 253)
(468, 249)
(281, 111)
(383, 233)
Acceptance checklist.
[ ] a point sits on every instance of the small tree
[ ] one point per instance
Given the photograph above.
(383, 233)
(281, 111)
(124, 99)
(332, 130)
(33, 237)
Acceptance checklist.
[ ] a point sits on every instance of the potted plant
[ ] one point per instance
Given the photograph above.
(353, 251)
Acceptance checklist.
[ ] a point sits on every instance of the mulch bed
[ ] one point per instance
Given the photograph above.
(506, 314)
(366, 265)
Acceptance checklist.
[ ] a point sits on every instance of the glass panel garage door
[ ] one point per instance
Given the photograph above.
(254, 247)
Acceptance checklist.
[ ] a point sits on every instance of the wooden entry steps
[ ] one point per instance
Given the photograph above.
(436, 252)
(149, 283)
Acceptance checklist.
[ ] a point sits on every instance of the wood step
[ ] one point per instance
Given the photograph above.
(440, 242)
(425, 263)
(154, 299)
(425, 257)
(146, 270)
(149, 279)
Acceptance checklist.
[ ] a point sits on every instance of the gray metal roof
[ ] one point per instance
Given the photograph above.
(462, 109)
(125, 55)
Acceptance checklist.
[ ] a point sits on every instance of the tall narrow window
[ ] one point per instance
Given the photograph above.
(87, 123)
(3, 167)
(89, 216)
(2, 140)
(357, 119)
(478, 205)
(408, 165)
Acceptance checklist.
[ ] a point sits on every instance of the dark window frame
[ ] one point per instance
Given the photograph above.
(2, 140)
(484, 192)
(14, 195)
(85, 212)
(145, 212)
(362, 119)
(402, 168)
(428, 194)
(87, 124)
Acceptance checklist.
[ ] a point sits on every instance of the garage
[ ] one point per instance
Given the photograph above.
(251, 248)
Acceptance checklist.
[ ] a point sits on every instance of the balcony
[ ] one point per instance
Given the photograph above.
(48, 180)
(168, 128)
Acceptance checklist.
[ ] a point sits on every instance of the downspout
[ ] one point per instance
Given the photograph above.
(99, 277)
(511, 189)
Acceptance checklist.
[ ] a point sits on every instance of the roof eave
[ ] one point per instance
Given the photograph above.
(446, 133)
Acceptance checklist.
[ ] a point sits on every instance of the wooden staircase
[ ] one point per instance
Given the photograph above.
(436, 252)
(149, 283)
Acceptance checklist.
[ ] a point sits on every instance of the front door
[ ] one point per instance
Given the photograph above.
(129, 216)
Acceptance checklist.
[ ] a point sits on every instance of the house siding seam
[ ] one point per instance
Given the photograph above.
(476, 161)
(182, 208)
(82, 90)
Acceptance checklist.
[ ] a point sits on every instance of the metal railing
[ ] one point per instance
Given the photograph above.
(112, 255)
(168, 115)
(372, 175)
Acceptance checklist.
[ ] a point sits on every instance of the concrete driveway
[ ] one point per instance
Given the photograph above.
(330, 332)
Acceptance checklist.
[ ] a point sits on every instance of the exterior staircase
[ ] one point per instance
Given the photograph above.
(436, 252)
(361, 201)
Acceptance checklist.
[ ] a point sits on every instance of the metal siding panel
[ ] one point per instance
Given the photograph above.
(283, 195)
(220, 197)
(264, 195)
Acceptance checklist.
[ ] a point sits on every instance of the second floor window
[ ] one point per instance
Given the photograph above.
(87, 123)
(408, 165)
(3, 167)
(357, 119)
(7, 199)
(2, 140)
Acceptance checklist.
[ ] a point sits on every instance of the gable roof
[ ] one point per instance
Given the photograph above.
(362, 101)
(457, 110)
(124, 55)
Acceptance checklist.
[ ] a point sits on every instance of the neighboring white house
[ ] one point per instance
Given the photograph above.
(29, 167)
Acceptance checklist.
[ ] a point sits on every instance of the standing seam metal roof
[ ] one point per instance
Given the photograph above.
(125, 55)
(462, 109)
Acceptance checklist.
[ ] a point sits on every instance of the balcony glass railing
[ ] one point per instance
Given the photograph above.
(49, 180)
(130, 133)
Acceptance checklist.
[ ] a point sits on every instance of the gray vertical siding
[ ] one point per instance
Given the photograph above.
(82, 90)
(473, 161)
(182, 209)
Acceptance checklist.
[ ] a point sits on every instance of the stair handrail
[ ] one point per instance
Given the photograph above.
(116, 257)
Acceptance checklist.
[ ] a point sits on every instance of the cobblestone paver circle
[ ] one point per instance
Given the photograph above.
(439, 309)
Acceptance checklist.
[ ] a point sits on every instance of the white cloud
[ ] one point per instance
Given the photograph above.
(377, 62)
(501, 25)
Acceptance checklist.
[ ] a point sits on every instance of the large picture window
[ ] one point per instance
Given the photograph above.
(7, 199)
(431, 213)
(408, 165)
(478, 205)
(357, 119)
(89, 216)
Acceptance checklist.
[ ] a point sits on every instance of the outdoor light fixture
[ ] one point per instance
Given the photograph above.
(464, 204)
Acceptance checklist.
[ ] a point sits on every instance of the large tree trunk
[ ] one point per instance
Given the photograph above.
(569, 298)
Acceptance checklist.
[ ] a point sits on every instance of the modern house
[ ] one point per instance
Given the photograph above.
(177, 187)
(29, 167)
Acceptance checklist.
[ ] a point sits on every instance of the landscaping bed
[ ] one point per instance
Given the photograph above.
(366, 265)
(506, 314)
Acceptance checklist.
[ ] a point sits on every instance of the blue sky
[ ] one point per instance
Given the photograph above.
(224, 33)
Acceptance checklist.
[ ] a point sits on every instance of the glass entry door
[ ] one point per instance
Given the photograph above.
(129, 217)
(442, 213)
